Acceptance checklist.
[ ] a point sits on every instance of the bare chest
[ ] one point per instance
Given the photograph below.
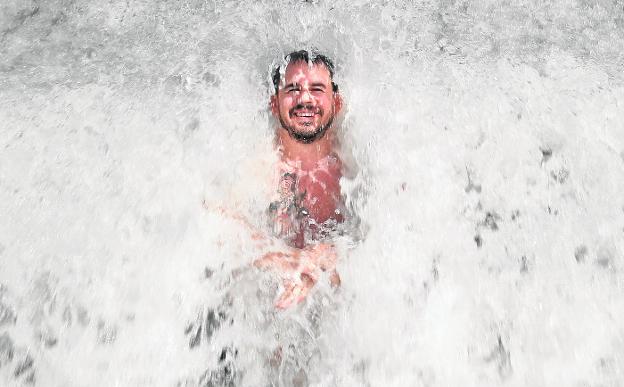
(308, 198)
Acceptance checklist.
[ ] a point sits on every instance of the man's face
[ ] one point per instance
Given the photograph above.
(305, 103)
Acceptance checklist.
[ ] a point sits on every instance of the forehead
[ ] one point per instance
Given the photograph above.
(301, 72)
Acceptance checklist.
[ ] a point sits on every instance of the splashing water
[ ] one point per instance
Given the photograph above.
(488, 149)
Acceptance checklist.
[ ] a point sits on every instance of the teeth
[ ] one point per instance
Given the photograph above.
(304, 114)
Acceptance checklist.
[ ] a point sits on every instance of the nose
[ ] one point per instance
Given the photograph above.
(304, 97)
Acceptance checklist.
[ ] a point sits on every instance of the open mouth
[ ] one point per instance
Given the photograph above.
(304, 114)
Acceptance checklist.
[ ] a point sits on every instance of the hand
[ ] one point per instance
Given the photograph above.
(300, 270)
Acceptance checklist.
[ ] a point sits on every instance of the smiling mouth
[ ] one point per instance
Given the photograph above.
(304, 114)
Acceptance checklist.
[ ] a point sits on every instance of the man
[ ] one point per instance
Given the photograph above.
(309, 205)
(305, 213)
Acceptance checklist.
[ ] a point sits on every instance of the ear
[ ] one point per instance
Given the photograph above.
(337, 103)
(274, 105)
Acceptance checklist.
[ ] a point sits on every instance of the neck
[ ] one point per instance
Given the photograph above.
(307, 154)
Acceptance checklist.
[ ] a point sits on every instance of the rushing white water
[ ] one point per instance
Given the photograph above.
(486, 143)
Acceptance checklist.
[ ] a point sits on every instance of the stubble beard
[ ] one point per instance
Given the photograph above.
(307, 137)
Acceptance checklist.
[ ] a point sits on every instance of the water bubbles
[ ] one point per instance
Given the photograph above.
(489, 175)
(106, 332)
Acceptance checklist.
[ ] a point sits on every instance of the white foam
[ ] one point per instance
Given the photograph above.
(486, 144)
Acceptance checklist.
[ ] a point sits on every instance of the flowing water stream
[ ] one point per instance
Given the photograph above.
(485, 146)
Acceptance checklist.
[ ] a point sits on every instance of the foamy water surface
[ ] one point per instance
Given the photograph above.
(485, 145)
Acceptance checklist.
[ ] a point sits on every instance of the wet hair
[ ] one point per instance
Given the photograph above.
(305, 56)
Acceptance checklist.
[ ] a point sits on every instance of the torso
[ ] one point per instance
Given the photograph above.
(309, 200)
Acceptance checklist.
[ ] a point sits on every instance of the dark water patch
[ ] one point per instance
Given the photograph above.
(478, 240)
(191, 127)
(546, 155)
(82, 316)
(472, 183)
(604, 262)
(20, 365)
(47, 336)
(524, 265)
(502, 358)
(24, 370)
(552, 211)
(23, 365)
(8, 316)
(226, 374)
(194, 331)
(7, 349)
(53, 314)
(472, 186)
(208, 321)
(605, 257)
(608, 367)
(435, 272)
(429, 283)
(580, 253)
(360, 370)
(491, 221)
